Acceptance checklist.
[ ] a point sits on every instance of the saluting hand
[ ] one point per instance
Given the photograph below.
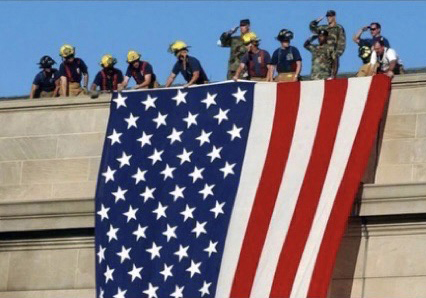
(319, 19)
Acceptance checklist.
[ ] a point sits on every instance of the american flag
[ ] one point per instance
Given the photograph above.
(235, 189)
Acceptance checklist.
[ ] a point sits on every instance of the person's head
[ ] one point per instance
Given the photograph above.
(67, 52)
(108, 61)
(322, 36)
(133, 58)
(379, 46)
(46, 63)
(244, 26)
(331, 17)
(375, 29)
(364, 52)
(251, 42)
(180, 49)
(284, 37)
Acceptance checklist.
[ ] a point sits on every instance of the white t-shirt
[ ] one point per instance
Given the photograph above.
(389, 55)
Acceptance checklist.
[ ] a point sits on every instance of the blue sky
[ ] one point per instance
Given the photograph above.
(33, 29)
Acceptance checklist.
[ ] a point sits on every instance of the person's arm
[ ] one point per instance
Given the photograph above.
(238, 72)
(393, 61)
(85, 80)
(64, 86)
(313, 26)
(194, 78)
(93, 87)
(124, 84)
(145, 83)
(298, 70)
(225, 39)
(271, 70)
(341, 42)
(334, 62)
(57, 87)
(33, 91)
(357, 36)
(170, 79)
(308, 43)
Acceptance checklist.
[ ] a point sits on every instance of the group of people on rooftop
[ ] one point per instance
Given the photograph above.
(247, 61)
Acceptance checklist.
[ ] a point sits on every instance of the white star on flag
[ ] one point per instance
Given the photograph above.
(182, 252)
(211, 248)
(207, 191)
(180, 97)
(139, 176)
(119, 194)
(218, 209)
(170, 232)
(145, 139)
(239, 95)
(160, 211)
(177, 193)
(154, 251)
(112, 233)
(167, 172)
(209, 100)
(115, 137)
(140, 232)
(191, 119)
(194, 268)
(101, 253)
(156, 156)
(185, 156)
(175, 136)
(215, 153)
(131, 214)
(235, 132)
(147, 194)
(135, 272)
(196, 174)
(108, 274)
(131, 121)
(151, 292)
(124, 160)
(149, 102)
(178, 293)
(124, 254)
(222, 115)
(228, 169)
(204, 137)
(103, 212)
(109, 174)
(120, 101)
(160, 120)
(205, 289)
(187, 213)
(199, 229)
(167, 271)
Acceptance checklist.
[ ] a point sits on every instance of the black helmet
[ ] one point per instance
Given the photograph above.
(285, 35)
(364, 52)
(46, 62)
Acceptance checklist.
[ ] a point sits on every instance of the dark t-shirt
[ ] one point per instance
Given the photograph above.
(139, 73)
(370, 41)
(192, 65)
(46, 81)
(285, 59)
(74, 70)
(257, 64)
(108, 79)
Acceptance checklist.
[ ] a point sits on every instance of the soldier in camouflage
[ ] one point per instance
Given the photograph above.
(323, 56)
(237, 46)
(336, 33)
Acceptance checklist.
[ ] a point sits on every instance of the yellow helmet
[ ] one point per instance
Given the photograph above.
(177, 46)
(133, 56)
(66, 51)
(250, 37)
(108, 60)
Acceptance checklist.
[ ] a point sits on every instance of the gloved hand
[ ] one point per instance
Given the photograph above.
(233, 30)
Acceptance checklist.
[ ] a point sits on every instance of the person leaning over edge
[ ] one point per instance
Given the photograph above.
(256, 60)
(336, 33)
(188, 66)
(46, 82)
(375, 31)
(387, 59)
(109, 78)
(236, 44)
(286, 59)
(323, 57)
(141, 71)
(71, 70)
(367, 69)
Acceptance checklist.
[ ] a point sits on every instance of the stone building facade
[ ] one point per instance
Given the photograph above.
(49, 158)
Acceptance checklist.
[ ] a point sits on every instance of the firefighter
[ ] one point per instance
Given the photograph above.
(141, 71)
(46, 82)
(109, 78)
(255, 60)
(72, 70)
(188, 66)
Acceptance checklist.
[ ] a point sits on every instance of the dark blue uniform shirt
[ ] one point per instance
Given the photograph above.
(74, 70)
(140, 72)
(257, 64)
(285, 59)
(192, 65)
(108, 79)
(46, 80)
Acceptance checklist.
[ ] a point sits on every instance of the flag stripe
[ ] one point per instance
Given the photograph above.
(288, 96)
(351, 117)
(334, 96)
(257, 146)
(377, 97)
(311, 98)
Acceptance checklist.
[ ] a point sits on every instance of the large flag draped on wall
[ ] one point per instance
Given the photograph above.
(231, 189)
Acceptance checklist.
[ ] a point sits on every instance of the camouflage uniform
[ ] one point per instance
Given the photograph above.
(336, 36)
(237, 52)
(323, 57)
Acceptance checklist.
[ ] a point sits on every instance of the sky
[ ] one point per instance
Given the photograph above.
(31, 29)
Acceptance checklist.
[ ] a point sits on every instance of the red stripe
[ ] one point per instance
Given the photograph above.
(377, 97)
(288, 97)
(291, 253)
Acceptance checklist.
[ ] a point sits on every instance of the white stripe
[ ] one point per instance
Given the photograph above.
(311, 98)
(254, 160)
(353, 109)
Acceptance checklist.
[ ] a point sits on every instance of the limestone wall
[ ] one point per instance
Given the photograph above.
(49, 158)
